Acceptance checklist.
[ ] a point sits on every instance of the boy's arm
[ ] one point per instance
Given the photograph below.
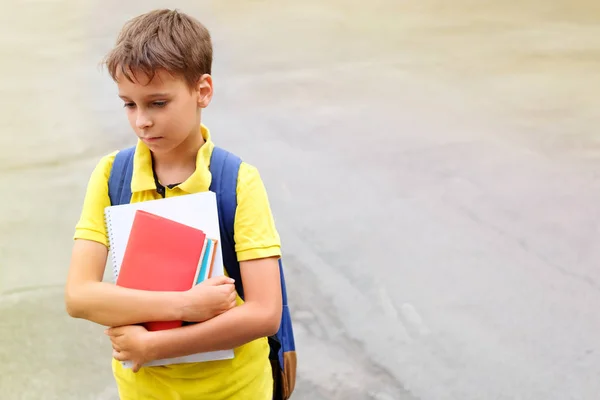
(87, 297)
(258, 317)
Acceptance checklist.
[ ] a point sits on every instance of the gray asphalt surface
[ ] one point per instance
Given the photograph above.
(433, 169)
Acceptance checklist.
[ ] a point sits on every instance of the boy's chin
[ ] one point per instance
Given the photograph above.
(156, 144)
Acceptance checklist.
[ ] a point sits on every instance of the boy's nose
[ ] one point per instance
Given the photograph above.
(142, 121)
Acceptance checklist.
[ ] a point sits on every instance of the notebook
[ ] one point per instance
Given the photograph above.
(199, 211)
(162, 255)
(208, 260)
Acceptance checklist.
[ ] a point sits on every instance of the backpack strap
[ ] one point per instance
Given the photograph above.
(119, 182)
(224, 168)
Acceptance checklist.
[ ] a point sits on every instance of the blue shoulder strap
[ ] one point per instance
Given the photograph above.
(224, 168)
(119, 182)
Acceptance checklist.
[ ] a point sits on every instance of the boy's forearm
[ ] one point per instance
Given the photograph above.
(112, 305)
(229, 330)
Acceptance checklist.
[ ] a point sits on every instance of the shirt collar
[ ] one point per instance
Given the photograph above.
(143, 175)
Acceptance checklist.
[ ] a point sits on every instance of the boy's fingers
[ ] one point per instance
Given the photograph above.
(117, 355)
(219, 280)
(112, 332)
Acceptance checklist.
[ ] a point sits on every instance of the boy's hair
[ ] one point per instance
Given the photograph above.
(162, 39)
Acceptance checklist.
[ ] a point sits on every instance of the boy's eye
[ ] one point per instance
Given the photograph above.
(159, 103)
(129, 105)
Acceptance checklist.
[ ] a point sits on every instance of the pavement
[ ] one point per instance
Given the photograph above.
(433, 171)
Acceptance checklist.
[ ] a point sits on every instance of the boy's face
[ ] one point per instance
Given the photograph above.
(164, 112)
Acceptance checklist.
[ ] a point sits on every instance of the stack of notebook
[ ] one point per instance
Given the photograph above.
(164, 255)
(166, 245)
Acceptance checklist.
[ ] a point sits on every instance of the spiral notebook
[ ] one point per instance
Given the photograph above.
(197, 211)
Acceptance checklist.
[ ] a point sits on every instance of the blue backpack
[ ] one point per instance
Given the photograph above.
(224, 167)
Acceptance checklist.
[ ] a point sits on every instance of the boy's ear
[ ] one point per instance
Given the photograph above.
(204, 90)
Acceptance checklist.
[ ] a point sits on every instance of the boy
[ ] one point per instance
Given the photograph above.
(161, 64)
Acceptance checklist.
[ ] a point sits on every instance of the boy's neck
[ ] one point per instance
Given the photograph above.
(184, 155)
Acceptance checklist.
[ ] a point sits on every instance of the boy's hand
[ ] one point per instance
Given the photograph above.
(130, 343)
(208, 299)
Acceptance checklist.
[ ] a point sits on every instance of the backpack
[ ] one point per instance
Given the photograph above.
(224, 167)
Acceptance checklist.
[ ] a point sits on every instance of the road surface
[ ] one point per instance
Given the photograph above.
(433, 169)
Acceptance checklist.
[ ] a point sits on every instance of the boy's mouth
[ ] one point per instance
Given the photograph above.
(151, 139)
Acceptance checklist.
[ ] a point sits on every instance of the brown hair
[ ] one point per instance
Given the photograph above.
(162, 39)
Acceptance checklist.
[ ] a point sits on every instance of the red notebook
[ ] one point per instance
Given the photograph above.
(161, 255)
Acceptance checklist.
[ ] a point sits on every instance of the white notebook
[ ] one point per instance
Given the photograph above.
(197, 210)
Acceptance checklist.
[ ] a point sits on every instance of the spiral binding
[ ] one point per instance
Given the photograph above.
(111, 242)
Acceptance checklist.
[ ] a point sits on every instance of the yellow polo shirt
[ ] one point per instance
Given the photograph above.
(248, 375)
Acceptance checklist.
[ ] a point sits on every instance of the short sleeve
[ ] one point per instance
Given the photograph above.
(91, 224)
(254, 226)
